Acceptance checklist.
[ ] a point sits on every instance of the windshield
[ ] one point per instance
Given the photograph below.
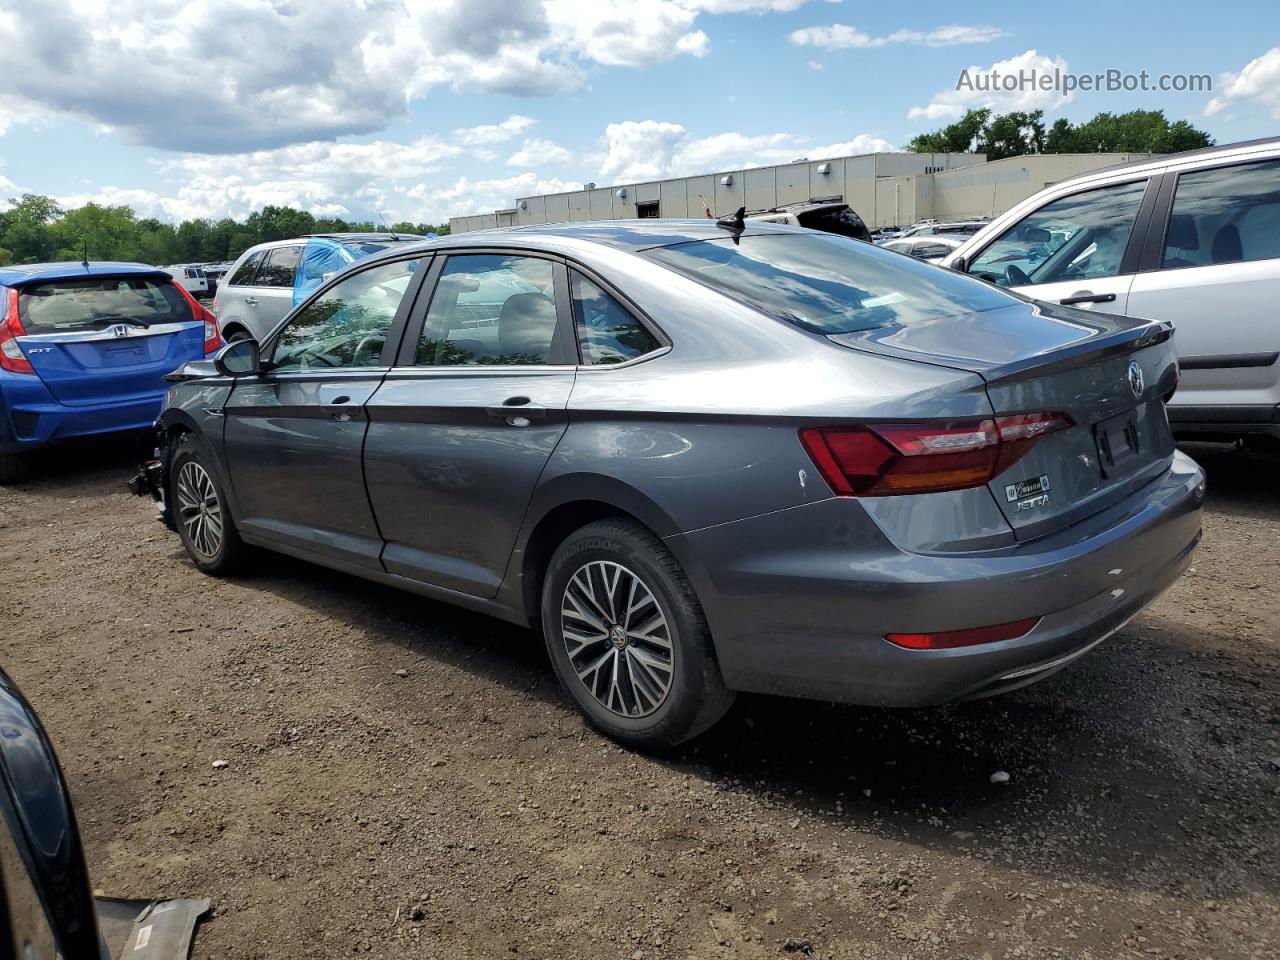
(100, 301)
(829, 284)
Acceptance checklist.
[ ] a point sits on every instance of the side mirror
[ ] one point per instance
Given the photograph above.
(238, 358)
(959, 266)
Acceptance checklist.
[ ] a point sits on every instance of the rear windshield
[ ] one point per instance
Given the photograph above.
(830, 284)
(364, 248)
(99, 302)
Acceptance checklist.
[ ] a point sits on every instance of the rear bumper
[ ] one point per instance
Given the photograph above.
(810, 621)
(1225, 421)
(31, 418)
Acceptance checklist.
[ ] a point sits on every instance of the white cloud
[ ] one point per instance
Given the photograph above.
(226, 76)
(815, 65)
(651, 150)
(465, 196)
(862, 143)
(539, 153)
(1259, 80)
(952, 104)
(509, 128)
(837, 36)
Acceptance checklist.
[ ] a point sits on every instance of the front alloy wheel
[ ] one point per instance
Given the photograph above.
(617, 638)
(199, 510)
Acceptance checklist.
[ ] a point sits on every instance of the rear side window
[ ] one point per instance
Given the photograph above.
(1225, 215)
(607, 331)
(244, 275)
(279, 267)
(830, 284)
(491, 309)
(100, 302)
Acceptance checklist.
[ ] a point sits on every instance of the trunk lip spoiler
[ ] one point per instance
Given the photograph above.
(1148, 334)
(1139, 335)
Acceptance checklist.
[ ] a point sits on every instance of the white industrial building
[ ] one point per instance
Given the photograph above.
(886, 189)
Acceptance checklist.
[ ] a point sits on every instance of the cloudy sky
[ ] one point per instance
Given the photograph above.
(425, 109)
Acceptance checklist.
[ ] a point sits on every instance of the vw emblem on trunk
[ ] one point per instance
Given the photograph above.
(1136, 382)
(119, 330)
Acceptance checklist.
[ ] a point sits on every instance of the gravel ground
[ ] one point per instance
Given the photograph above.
(464, 810)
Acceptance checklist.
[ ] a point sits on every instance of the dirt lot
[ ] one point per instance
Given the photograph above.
(465, 811)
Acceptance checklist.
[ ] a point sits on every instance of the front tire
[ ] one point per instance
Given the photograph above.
(14, 468)
(200, 512)
(628, 639)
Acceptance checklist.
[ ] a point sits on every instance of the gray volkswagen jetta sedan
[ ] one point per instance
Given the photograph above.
(702, 457)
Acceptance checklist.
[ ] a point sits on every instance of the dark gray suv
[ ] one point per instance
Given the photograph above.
(703, 457)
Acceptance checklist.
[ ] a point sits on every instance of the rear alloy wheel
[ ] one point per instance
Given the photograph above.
(200, 511)
(628, 638)
(617, 638)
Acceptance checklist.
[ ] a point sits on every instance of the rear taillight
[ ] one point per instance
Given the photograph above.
(12, 358)
(897, 458)
(949, 639)
(212, 339)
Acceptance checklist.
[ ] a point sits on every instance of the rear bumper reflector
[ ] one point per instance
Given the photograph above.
(948, 639)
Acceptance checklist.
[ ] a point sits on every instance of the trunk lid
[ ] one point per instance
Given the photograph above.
(103, 338)
(1109, 374)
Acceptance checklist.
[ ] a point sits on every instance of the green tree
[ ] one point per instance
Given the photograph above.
(1016, 134)
(959, 137)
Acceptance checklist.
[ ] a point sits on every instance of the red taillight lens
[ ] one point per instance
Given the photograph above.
(212, 339)
(12, 358)
(897, 458)
(949, 639)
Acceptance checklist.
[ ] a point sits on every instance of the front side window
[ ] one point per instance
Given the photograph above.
(279, 267)
(829, 284)
(244, 275)
(346, 326)
(1080, 237)
(607, 331)
(491, 309)
(1226, 215)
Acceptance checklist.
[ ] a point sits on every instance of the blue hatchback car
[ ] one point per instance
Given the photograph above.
(84, 348)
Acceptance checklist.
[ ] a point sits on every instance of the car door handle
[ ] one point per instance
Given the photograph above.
(250, 301)
(517, 411)
(1084, 296)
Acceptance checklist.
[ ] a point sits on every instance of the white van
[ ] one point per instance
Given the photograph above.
(191, 278)
(1193, 238)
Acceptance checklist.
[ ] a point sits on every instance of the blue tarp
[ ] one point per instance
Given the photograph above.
(322, 258)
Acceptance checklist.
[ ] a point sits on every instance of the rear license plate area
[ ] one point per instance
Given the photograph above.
(1119, 444)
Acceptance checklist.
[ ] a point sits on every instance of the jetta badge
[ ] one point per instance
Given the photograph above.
(1136, 382)
(119, 329)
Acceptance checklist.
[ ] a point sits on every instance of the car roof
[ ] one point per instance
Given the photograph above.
(628, 235)
(18, 274)
(367, 237)
(1159, 160)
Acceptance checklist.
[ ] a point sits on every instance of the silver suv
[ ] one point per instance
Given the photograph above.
(1191, 239)
(270, 279)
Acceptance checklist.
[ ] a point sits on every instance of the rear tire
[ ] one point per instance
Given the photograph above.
(200, 512)
(633, 650)
(14, 468)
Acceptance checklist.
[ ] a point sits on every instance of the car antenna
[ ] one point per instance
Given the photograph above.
(85, 261)
(735, 222)
(387, 225)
